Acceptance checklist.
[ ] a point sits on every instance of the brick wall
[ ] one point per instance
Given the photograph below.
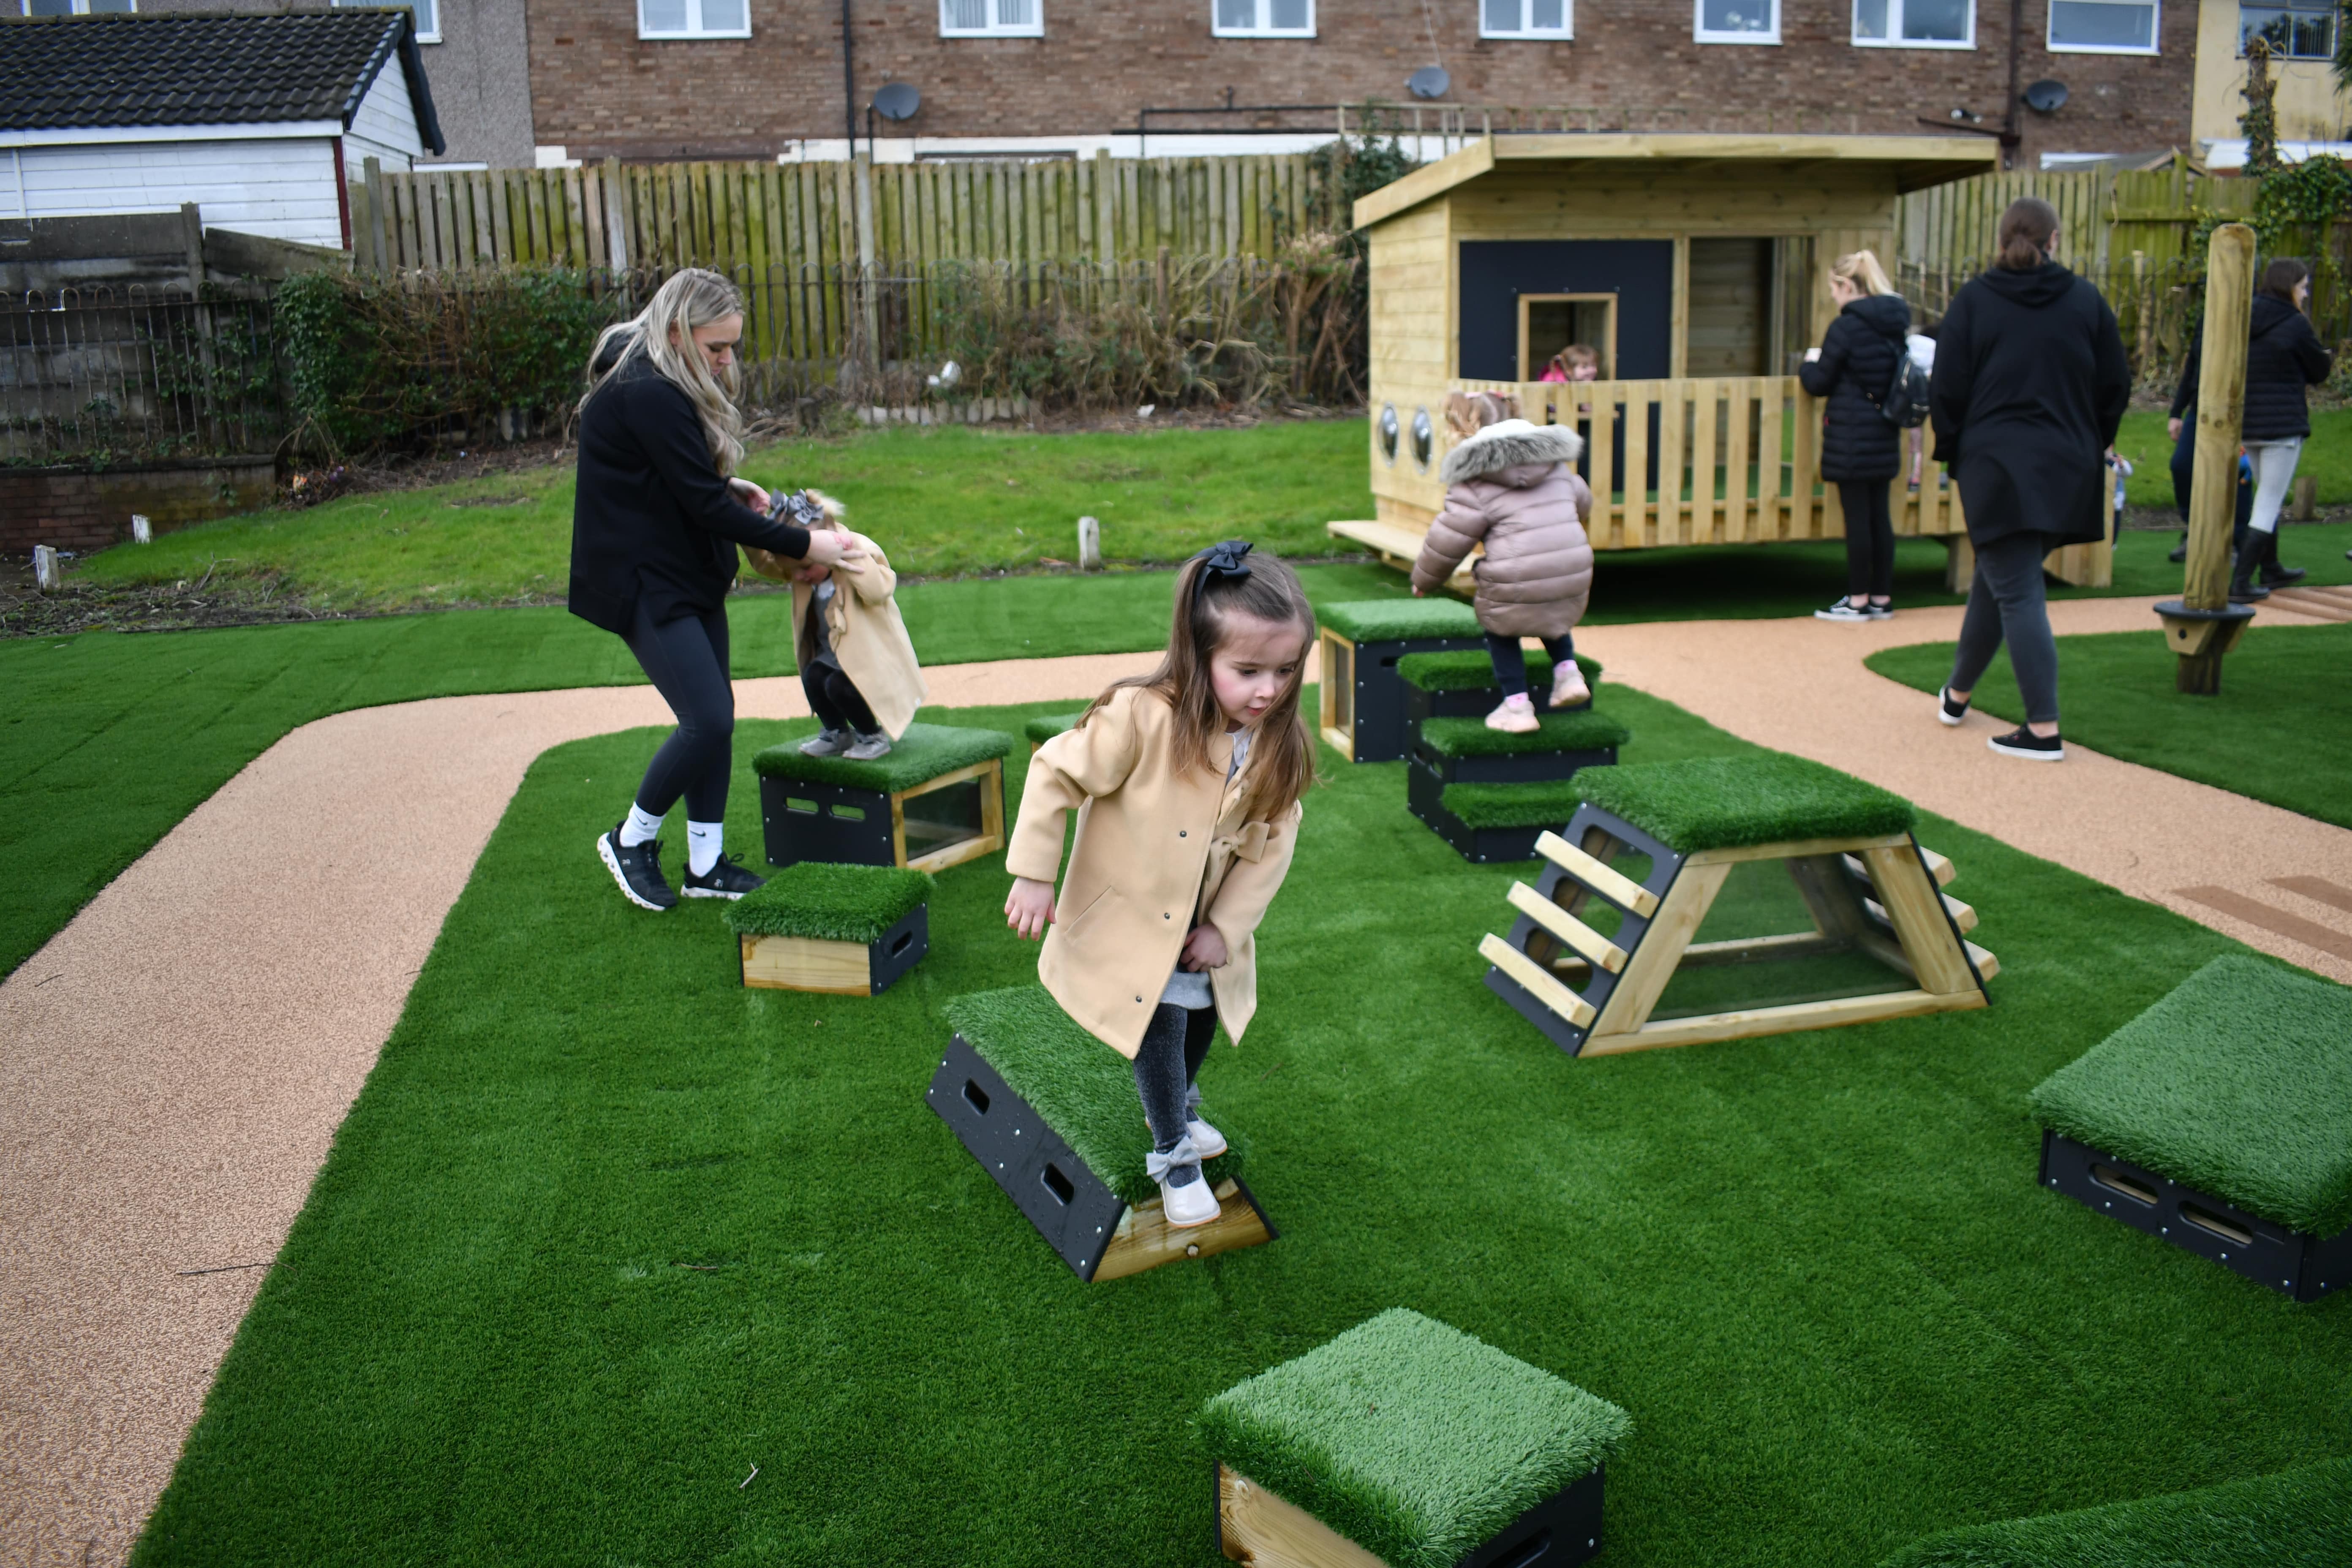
(81, 510)
(599, 90)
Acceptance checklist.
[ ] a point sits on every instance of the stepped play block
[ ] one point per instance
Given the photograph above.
(1361, 641)
(1461, 685)
(845, 931)
(1490, 794)
(1050, 1113)
(1409, 1444)
(935, 800)
(1880, 937)
(2219, 1121)
(1041, 730)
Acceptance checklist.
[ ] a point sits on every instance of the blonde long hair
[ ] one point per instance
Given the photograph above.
(661, 331)
(1860, 270)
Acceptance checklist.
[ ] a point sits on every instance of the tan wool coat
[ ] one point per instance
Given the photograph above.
(1509, 487)
(1155, 854)
(868, 639)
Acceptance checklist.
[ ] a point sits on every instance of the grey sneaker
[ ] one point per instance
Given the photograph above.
(868, 747)
(827, 744)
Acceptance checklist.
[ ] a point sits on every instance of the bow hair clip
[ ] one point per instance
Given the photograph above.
(1229, 559)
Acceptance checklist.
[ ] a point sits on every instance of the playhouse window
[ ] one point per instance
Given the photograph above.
(1526, 18)
(1262, 18)
(428, 12)
(2103, 26)
(694, 18)
(2298, 30)
(1916, 24)
(1735, 21)
(991, 19)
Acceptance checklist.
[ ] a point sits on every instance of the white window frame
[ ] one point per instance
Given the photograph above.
(1265, 10)
(81, 8)
(1702, 33)
(695, 31)
(1893, 17)
(2281, 58)
(1564, 33)
(2154, 9)
(423, 34)
(1033, 28)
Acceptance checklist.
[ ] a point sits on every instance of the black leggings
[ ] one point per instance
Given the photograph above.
(1511, 663)
(1175, 1043)
(834, 700)
(687, 662)
(1869, 539)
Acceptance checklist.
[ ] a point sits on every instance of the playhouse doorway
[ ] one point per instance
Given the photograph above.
(1536, 289)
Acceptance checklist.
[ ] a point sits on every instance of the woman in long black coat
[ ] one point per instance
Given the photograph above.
(2029, 389)
(1861, 452)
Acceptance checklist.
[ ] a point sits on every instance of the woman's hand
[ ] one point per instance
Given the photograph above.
(751, 495)
(2172, 429)
(1204, 949)
(838, 551)
(1812, 354)
(1029, 907)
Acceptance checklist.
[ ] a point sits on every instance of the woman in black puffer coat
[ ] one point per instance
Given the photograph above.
(1862, 452)
(2284, 355)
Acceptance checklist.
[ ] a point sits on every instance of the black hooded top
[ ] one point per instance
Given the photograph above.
(2029, 387)
(2284, 355)
(1858, 357)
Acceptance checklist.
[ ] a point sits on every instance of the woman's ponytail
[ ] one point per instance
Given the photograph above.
(2024, 235)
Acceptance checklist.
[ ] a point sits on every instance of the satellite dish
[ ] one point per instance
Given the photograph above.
(897, 101)
(1429, 81)
(2047, 97)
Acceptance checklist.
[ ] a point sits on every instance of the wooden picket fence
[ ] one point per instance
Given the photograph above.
(2104, 215)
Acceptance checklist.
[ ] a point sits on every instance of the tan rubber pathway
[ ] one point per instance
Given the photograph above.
(174, 1063)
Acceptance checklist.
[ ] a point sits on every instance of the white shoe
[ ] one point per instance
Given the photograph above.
(1191, 1204)
(1207, 1140)
(827, 744)
(868, 747)
(1568, 688)
(1517, 715)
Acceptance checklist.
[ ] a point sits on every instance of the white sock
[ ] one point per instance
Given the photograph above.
(703, 842)
(639, 827)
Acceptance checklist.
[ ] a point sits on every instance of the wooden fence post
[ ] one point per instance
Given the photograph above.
(2202, 625)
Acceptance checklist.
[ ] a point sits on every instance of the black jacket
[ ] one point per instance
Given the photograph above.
(652, 519)
(2283, 356)
(2029, 387)
(1858, 357)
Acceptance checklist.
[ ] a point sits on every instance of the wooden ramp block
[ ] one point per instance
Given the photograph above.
(836, 968)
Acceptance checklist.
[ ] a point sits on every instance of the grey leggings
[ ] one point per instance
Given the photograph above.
(2005, 604)
(1175, 1044)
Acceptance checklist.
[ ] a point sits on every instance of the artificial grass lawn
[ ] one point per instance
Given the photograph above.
(2296, 1518)
(2238, 1084)
(2280, 730)
(1412, 1439)
(1549, 802)
(921, 754)
(1039, 731)
(826, 902)
(2326, 456)
(1084, 1090)
(1474, 671)
(1716, 803)
(1579, 730)
(1399, 620)
(1815, 1268)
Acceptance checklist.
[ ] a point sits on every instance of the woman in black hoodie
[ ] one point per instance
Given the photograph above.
(2029, 387)
(1862, 451)
(2284, 355)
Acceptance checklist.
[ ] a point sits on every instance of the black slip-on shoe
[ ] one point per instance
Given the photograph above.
(637, 870)
(725, 879)
(2023, 742)
(1949, 711)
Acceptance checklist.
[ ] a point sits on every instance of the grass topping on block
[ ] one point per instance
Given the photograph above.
(2295, 1519)
(827, 902)
(1471, 670)
(2239, 1083)
(1720, 803)
(1399, 620)
(1549, 804)
(923, 752)
(1585, 730)
(1411, 1438)
(1084, 1090)
(1043, 728)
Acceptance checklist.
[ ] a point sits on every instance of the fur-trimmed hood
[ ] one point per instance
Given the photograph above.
(1510, 444)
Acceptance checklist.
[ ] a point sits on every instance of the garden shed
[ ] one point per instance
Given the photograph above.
(1694, 266)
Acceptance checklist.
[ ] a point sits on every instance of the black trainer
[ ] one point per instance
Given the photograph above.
(637, 870)
(1949, 711)
(2023, 742)
(725, 879)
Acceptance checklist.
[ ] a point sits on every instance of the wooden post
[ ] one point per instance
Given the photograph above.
(1089, 545)
(2199, 637)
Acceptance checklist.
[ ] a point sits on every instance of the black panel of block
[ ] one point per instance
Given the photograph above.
(1433, 768)
(827, 833)
(1480, 846)
(1666, 864)
(899, 949)
(1070, 1205)
(1564, 1528)
(1379, 733)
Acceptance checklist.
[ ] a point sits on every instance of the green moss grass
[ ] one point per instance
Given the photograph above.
(1719, 803)
(1084, 1090)
(1037, 732)
(1412, 1439)
(826, 902)
(922, 754)
(1473, 670)
(1398, 620)
(2297, 1519)
(2279, 732)
(2239, 1083)
(1584, 730)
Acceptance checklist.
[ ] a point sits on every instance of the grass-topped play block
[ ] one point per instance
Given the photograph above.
(1511, 786)
(1050, 1113)
(1407, 1443)
(1461, 685)
(847, 930)
(1724, 896)
(1361, 642)
(2221, 1120)
(1039, 731)
(934, 800)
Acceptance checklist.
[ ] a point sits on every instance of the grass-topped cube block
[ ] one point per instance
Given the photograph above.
(1361, 641)
(1045, 728)
(1461, 685)
(2219, 1121)
(1517, 780)
(1726, 896)
(934, 800)
(847, 930)
(1050, 1113)
(1407, 1443)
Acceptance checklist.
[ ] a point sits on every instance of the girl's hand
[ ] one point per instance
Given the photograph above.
(1204, 949)
(1029, 907)
(2172, 429)
(751, 495)
(1811, 355)
(827, 548)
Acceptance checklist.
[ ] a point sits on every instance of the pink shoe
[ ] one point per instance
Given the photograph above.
(1568, 688)
(1517, 715)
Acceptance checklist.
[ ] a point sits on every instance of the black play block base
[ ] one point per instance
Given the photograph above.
(1480, 845)
(848, 827)
(1562, 1529)
(2289, 1261)
(1378, 694)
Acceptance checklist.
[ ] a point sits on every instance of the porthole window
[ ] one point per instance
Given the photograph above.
(1424, 439)
(1387, 431)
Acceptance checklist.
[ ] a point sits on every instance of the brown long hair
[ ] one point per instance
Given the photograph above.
(1281, 765)
(2280, 277)
(2025, 236)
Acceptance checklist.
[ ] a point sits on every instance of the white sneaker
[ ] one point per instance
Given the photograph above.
(1568, 688)
(868, 747)
(1517, 715)
(827, 744)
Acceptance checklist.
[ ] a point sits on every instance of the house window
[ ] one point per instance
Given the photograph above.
(77, 7)
(991, 19)
(1262, 18)
(1526, 18)
(1736, 22)
(2298, 30)
(1916, 24)
(694, 18)
(428, 16)
(2103, 26)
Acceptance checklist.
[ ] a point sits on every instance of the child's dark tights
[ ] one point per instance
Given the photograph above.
(836, 700)
(1175, 1046)
(1511, 664)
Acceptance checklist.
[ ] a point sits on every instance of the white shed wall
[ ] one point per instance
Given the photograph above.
(284, 189)
(385, 126)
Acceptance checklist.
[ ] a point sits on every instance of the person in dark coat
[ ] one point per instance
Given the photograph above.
(2181, 426)
(1861, 452)
(2283, 357)
(654, 527)
(2029, 387)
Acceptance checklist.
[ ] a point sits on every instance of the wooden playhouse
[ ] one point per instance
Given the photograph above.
(1695, 266)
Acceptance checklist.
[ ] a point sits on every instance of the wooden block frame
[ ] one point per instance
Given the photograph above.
(838, 968)
(869, 827)
(1362, 695)
(1255, 1526)
(1089, 1226)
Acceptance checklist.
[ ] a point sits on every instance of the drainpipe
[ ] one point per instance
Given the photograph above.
(2009, 136)
(849, 81)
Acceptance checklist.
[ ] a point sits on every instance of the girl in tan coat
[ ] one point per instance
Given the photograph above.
(858, 667)
(1186, 782)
